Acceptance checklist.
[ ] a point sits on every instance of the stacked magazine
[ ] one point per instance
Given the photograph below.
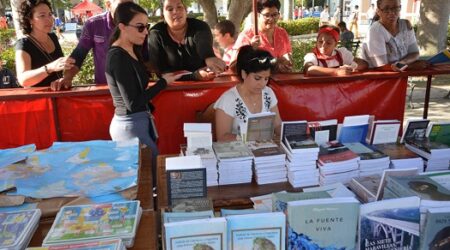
(235, 162)
(401, 157)
(103, 244)
(199, 142)
(269, 163)
(77, 224)
(437, 154)
(372, 161)
(302, 153)
(17, 228)
(337, 163)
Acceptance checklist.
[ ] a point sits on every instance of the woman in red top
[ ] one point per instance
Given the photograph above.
(271, 38)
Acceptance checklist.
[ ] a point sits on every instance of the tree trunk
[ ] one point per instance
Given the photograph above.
(15, 5)
(210, 12)
(287, 9)
(238, 10)
(432, 28)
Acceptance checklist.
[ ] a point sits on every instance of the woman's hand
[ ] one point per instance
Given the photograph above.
(62, 63)
(344, 70)
(203, 75)
(171, 77)
(216, 65)
(284, 65)
(255, 41)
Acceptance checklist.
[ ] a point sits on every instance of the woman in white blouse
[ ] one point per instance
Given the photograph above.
(251, 96)
(391, 43)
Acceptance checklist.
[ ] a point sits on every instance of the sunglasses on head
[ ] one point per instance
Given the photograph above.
(141, 27)
(263, 60)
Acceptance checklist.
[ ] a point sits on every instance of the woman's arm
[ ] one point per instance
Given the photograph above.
(313, 70)
(224, 126)
(28, 77)
(277, 122)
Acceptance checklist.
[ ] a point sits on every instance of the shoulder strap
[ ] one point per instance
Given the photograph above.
(339, 58)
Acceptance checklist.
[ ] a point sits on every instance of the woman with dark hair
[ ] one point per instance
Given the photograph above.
(391, 43)
(39, 57)
(251, 96)
(271, 38)
(128, 79)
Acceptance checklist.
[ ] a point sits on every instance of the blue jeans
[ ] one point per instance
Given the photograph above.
(123, 128)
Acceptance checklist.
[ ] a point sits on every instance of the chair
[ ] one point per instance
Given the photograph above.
(352, 46)
(207, 116)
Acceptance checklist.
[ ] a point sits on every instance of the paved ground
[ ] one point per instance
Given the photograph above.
(439, 107)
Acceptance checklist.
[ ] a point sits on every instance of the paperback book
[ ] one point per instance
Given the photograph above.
(257, 231)
(112, 244)
(281, 199)
(323, 223)
(439, 132)
(415, 129)
(74, 224)
(383, 131)
(186, 178)
(436, 231)
(17, 228)
(390, 224)
(260, 127)
(196, 234)
(440, 58)
(419, 185)
(323, 131)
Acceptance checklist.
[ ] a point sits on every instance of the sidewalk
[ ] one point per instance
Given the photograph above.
(439, 106)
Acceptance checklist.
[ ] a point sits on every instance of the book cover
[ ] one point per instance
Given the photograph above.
(192, 205)
(334, 151)
(196, 234)
(436, 231)
(261, 127)
(300, 143)
(440, 58)
(186, 178)
(384, 131)
(392, 172)
(231, 151)
(365, 152)
(257, 231)
(13, 155)
(356, 133)
(415, 129)
(17, 226)
(396, 151)
(280, 199)
(183, 216)
(323, 131)
(366, 187)
(230, 212)
(294, 128)
(390, 224)
(439, 132)
(320, 223)
(86, 222)
(419, 185)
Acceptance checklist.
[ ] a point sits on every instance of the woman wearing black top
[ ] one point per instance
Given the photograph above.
(127, 77)
(39, 58)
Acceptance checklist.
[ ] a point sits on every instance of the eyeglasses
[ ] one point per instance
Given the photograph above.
(268, 16)
(141, 27)
(395, 9)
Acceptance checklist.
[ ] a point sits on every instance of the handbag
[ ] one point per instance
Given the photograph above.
(152, 125)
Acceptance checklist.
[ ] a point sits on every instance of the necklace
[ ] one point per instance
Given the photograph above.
(46, 45)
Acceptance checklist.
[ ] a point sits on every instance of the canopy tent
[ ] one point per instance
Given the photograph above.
(86, 7)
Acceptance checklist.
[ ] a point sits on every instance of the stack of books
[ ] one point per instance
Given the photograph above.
(337, 163)
(302, 153)
(382, 131)
(199, 142)
(77, 224)
(269, 163)
(109, 244)
(235, 162)
(372, 161)
(354, 129)
(401, 157)
(17, 228)
(436, 154)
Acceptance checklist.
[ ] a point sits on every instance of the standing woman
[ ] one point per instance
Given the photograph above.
(251, 96)
(391, 42)
(39, 58)
(271, 38)
(128, 79)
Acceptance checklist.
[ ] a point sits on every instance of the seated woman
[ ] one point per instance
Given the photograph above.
(181, 43)
(391, 43)
(251, 96)
(271, 38)
(39, 58)
(327, 60)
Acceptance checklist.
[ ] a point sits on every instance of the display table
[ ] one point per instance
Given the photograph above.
(226, 196)
(40, 116)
